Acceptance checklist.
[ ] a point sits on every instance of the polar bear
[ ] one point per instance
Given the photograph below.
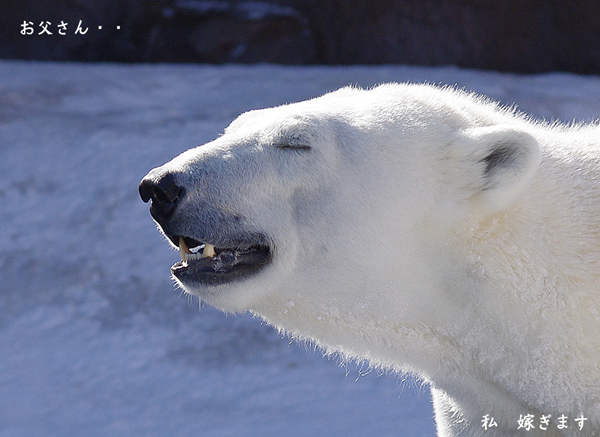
(421, 228)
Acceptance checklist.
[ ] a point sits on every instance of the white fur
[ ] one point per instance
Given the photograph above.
(429, 231)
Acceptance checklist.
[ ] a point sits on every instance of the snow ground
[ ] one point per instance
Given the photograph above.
(94, 339)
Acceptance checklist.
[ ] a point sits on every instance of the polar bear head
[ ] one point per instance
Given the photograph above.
(343, 204)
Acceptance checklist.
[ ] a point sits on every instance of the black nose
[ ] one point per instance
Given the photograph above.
(165, 194)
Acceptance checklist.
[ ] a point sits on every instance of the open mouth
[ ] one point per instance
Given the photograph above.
(205, 264)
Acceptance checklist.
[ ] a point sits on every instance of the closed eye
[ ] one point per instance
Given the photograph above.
(302, 147)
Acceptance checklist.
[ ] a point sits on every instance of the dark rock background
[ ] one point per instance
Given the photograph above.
(527, 36)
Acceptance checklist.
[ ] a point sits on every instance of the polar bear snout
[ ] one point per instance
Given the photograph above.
(165, 194)
(216, 247)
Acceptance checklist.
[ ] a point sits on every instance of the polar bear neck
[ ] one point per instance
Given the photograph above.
(549, 306)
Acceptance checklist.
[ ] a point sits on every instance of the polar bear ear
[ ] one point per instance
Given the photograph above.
(499, 162)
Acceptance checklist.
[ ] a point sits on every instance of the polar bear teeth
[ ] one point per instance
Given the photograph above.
(188, 255)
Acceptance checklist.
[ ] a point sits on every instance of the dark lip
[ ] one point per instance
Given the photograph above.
(234, 261)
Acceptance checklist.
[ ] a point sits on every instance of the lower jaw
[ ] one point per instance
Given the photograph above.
(224, 268)
(229, 295)
(205, 279)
